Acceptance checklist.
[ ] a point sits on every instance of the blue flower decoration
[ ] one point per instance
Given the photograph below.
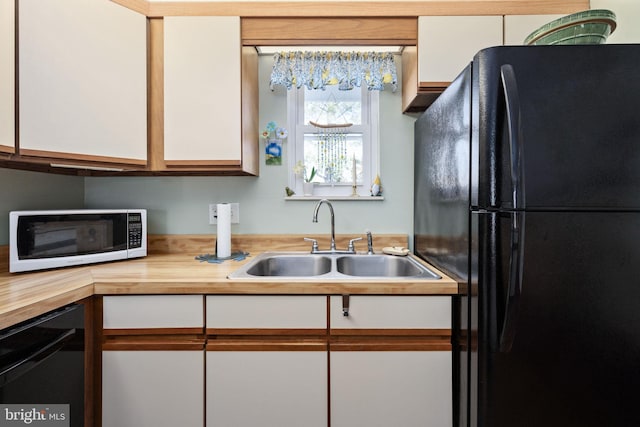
(274, 149)
(281, 133)
(271, 126)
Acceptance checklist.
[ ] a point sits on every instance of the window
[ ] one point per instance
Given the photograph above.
(332, 150)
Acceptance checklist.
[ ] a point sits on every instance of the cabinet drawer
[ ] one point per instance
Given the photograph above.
(152, 311)
(266, 312)
(391, 312)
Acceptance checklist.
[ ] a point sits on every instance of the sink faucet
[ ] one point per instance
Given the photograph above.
(332, 250)
(369, 243)
(333, 221)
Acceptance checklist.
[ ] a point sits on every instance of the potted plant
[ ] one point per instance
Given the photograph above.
(307, 181)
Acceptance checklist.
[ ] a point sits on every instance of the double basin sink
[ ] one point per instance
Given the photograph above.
(332, 266)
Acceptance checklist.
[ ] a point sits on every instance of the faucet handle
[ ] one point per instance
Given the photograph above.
(352, 247)
(314, 244)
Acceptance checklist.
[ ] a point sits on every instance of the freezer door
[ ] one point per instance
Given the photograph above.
(577, 127)
(572, 355)
(441, 183)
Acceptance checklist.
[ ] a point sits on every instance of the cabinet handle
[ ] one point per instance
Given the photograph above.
(345, 305)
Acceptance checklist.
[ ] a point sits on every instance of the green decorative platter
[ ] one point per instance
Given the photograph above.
(586, 27)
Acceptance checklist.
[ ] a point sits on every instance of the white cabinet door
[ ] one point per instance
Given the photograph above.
(627, 16)
(7, 71)
(202, 90)
(83, 85)
(518, 27)
(391, 388)
(152, 388)
(267, 388)
(447, 44)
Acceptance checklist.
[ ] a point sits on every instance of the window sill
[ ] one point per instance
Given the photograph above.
(336, 198)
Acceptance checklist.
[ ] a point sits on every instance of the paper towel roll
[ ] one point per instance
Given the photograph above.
(223, 238)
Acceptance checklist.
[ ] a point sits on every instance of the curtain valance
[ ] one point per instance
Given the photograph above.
(315, 70)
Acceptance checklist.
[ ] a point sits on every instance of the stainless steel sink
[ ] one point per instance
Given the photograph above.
(290, 265)
(382, 266)
(304, 265)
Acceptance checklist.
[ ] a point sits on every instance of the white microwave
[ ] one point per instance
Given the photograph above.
(41, 240)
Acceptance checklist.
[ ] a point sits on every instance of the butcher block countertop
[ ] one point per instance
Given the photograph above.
(171, 268)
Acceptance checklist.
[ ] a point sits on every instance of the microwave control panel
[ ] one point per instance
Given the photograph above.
(135, 230)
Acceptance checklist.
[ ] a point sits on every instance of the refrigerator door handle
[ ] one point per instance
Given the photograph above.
(512, 101)
(516, 264)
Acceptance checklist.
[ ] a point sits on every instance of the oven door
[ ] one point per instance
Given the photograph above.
(42, 362)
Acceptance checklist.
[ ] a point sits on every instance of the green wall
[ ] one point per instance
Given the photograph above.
(179, 205)
(22, 190)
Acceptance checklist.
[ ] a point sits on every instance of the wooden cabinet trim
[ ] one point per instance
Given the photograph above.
(155, 97)
(395, 346)
(179, 344)
(353, 8)
(249, 89)
(153, 342)
(378, 343)
(392, 332)
(264, 332)
(151, 331)
(333, 31)
(83, 159)
(201, 163)
(274, 344)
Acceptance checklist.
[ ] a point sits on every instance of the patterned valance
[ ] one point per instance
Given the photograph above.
(315, 70)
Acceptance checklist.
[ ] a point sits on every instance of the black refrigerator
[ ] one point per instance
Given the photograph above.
(527, 191)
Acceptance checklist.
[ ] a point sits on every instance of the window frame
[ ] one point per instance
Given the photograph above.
(370, 143)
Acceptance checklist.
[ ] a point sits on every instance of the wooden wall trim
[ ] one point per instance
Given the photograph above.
(354, 8)
(253, 243)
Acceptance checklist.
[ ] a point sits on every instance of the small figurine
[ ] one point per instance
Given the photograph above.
(376, 187)
(289, 191)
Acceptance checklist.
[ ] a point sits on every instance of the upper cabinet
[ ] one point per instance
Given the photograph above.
(518, 27)
(7, 71)
(627, 15)
(446, 44)
(204, 96)
(82, 82)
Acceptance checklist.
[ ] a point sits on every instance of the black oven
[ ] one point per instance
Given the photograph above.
(42, 362)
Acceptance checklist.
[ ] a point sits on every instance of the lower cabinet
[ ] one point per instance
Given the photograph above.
(152, 388)
(277, 361)
(266, 361)
(391, 388)
(266, 388)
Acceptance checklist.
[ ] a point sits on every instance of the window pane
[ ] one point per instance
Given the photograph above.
(332, 156)
(333, 106)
